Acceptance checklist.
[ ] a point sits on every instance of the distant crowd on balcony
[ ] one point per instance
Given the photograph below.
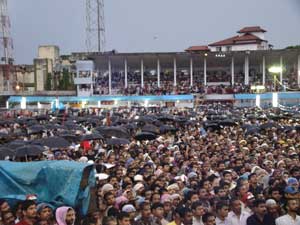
(219, 83)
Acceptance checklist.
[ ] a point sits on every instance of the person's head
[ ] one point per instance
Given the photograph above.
(8, 218)
(89, 221)
(158, 210)
(65, 215)
(109, 220)
(183, 215)
(110, 198)
(123, 218)
(236, 206)
(198, 209)
(272, 206)
(4, 206)
(145, 208)
(209, 219)
(259, 207)
(292, 205)
(29, 210)
(222, 209)
(44, 212)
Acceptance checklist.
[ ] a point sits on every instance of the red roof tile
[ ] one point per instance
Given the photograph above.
(197, 48)
(228, 41)
(251, 29)
(237, 40)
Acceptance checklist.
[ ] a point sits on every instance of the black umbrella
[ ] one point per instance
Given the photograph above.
(269, 125)
(252, 131)
(145, 136)
(5, 151)
(146, 119)
(16, 143)
(94, 136)
(70, 137)
(166, 118)
(227, 123)
(117, 141)
(166, 128)
(29, 150)
(55, 142)
(42, 117)
(212, 126)
(3, 136)
(119, 132)
(150, 128)
(35, 129)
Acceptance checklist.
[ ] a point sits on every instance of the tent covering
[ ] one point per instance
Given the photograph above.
(55, 182)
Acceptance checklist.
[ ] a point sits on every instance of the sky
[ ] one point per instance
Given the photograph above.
(148, 25)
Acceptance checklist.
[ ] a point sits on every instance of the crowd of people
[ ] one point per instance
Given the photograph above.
(214, 164)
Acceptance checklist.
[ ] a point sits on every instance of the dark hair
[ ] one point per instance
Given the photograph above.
(107, 194)
(220, 205)
(27, 203)
(89, 220)
(182, 211)
(123, 215)
(157, 205)
(143, 204)
(108, 219)
(196, 204)
(251, 175)
(206, 216)
(257, 202)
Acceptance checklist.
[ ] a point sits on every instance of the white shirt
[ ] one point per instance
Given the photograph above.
(221, 222)
(196, 221)
(233, 219)
(287, 220)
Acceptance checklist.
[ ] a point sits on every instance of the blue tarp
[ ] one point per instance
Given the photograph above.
(55, 182)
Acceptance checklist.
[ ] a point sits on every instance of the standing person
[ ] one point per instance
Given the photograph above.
(198, 210)
(260, 216)
(29, 213)
(291, 217)
(65, 216)
(237, 216)
(222, 212)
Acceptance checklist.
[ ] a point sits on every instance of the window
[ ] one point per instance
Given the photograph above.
(228, 48)
(219, 49)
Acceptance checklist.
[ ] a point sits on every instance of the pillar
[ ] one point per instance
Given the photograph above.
(264, 71)
(191, 71)
(232, 71)
(298, 74)
(281, 71)
(205, 72)
(126, 73)
(23, 103)
(158, 73)
(142, 73)
(175, 72)
(109, 76)
(246, 69)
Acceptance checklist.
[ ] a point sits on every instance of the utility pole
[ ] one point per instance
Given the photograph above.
(95, 26)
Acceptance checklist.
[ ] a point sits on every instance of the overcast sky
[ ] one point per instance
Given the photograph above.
(132, 25)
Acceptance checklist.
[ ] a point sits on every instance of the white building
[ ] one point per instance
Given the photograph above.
(248, 39)
(84, 79)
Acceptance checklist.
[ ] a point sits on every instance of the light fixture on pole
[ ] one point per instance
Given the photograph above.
(275, 70)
